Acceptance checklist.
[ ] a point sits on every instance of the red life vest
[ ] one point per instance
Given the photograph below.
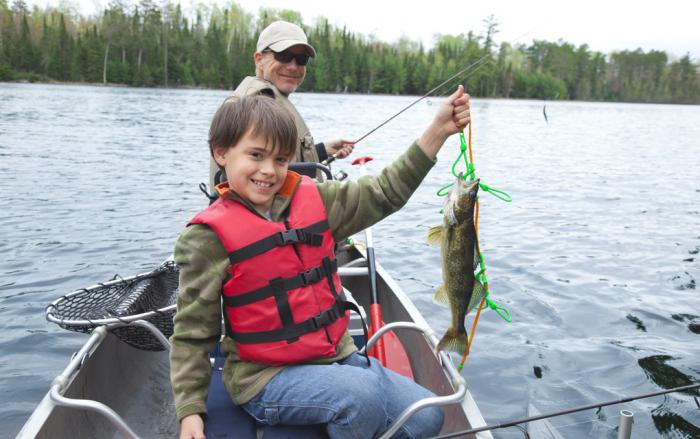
(283, 301)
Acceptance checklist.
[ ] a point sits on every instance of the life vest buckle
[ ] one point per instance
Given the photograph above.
(311, 276)
(290, 236)
(326, 317)
(293, 236)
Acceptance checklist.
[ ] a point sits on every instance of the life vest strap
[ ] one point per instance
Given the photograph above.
(303, 279)
(293, 332)
(310, 235)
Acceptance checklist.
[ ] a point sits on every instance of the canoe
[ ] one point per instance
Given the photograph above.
(118, 383)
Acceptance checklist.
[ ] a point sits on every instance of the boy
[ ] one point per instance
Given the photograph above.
(267, 247)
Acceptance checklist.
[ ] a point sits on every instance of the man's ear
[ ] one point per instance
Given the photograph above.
(257, 59)
(219, 155)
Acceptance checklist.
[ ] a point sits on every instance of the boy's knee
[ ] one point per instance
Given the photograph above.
(426, 423)
(367, 398)
(436, 417)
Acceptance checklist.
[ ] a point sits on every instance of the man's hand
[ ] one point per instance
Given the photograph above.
(192, 427)
(340, 148)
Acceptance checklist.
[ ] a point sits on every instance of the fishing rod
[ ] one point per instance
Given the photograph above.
(471, 68)
(568, 411)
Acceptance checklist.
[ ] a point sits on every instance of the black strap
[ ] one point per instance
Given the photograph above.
(283, 308)
(212, 197)
(310, 235)
(308, 277)
(325, 318)
(329, 268)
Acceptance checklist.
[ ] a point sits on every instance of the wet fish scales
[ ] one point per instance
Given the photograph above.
(457, 239)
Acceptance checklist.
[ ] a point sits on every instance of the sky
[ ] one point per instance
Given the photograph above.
(605, 25)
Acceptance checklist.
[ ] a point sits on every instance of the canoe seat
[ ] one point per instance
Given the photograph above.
(227, 420)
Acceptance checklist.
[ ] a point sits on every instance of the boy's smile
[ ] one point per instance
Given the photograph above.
(256, 171)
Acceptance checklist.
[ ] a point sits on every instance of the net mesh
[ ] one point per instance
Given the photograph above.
(147, 293)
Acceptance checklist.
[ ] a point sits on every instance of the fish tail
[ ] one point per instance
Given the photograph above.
(453, 341)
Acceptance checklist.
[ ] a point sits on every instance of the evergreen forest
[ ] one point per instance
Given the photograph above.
(147, 44)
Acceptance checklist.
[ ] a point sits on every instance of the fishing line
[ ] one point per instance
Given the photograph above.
(568, 411)
(466, 153)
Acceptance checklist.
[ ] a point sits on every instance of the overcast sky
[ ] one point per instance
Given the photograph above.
(605, 25)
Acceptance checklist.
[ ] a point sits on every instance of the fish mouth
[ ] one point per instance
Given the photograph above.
(455, 204)
(450, 216)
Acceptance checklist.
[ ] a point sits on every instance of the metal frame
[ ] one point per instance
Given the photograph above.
(461, 394)
(471, 410)
(60, 383)
(457, 381)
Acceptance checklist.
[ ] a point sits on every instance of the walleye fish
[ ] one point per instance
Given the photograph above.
(457, 237)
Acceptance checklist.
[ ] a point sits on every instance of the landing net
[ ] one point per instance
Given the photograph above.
(149, 296)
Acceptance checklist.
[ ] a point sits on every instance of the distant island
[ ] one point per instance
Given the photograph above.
(148, 45)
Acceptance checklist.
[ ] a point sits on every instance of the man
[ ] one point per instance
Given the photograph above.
(281, 56)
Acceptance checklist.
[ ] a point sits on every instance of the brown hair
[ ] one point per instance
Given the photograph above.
(257, 114)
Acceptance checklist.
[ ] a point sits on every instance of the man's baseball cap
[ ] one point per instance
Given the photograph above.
(282, 35)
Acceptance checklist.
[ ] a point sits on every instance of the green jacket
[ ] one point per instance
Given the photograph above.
(351, 207)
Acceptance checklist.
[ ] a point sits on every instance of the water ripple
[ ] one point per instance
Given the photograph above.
(596, 258)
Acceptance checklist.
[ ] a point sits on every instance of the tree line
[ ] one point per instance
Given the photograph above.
(145, 44)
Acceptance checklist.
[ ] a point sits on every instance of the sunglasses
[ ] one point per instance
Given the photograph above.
(286, 57)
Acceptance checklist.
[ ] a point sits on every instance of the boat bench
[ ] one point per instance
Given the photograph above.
(227, 420)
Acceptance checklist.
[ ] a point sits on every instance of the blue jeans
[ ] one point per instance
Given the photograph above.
(355, 400)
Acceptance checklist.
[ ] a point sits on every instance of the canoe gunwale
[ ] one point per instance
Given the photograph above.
(468, 405)
(458, 382)
(61, 383)
(454, 391)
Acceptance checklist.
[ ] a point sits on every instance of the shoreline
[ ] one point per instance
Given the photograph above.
(194, 87)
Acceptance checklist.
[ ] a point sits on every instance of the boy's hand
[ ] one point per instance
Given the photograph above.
(454, 113)
(192, 427)
(451, 118)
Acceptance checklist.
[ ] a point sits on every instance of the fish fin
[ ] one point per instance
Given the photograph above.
(453, 341)
(477, 294)
(477, 257)
(440, 296)
(435, 235)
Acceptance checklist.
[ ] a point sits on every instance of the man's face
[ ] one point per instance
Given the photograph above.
(287, 77)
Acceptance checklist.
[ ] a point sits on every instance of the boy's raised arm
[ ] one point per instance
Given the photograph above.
(354, 206)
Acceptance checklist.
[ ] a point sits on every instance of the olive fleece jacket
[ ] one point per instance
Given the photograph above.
(351, 207)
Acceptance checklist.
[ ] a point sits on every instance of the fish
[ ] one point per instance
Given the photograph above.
(460, 290)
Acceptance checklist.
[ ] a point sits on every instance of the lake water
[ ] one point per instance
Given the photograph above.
(596, 257)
